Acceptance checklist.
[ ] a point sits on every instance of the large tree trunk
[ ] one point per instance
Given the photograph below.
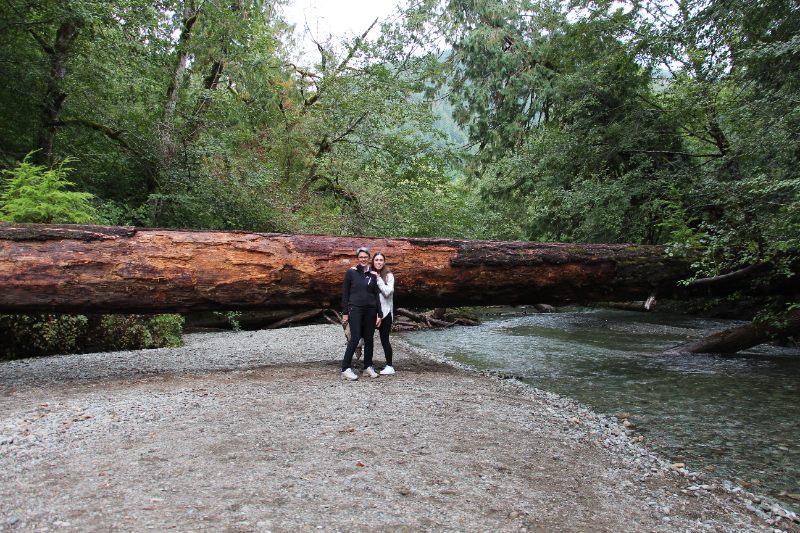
(53, 100)
(190, 13)
(743, 337)
(101, 269)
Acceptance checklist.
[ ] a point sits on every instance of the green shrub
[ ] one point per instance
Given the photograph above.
(38, 335)
(137, 332)
(166, 330)
(21, 335)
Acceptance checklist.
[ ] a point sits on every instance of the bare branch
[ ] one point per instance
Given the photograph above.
(350, 129)
(731, 276)
(672, 152)
(355, 47)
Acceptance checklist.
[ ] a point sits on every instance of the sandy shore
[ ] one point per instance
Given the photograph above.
(256, 431)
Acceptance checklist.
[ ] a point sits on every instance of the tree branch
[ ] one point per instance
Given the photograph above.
(673, 153)
(355, 47)
(350, 129)
(731, 276)
(115, 135)
(681, 126)
(49, 50)
(189, 18)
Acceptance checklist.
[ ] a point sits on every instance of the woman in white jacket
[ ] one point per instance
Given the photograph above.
(386, 286)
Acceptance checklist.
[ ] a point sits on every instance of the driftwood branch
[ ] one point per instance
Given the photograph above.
(429, 320)
(416, 317)
(296, 318)
(643, 306)
(336, 319)
(466, 322)
(733, 340)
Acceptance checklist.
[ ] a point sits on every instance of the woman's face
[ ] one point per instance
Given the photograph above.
(363, 259)
(378, 262)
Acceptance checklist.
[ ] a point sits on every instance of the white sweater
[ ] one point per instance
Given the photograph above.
(387, 294)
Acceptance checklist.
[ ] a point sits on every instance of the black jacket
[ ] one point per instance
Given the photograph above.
(360, 290)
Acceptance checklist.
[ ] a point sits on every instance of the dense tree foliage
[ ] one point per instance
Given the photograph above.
(655, 122)
(191, 113)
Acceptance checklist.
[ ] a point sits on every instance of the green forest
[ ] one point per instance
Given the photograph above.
(656, 122)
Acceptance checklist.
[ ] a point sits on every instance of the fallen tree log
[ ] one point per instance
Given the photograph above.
(733, 340)
(102, 269)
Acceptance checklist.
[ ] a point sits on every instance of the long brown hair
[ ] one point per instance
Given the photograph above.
(384, 272)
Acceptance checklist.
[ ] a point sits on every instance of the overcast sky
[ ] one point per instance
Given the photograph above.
(336, 17)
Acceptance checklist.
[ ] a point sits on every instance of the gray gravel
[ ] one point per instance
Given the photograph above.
(256, 431)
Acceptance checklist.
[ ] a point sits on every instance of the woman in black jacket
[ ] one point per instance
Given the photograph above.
(361, 306)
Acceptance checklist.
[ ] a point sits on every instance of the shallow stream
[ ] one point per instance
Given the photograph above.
(735, 417)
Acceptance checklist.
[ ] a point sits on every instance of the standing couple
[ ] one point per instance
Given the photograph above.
(367, 303)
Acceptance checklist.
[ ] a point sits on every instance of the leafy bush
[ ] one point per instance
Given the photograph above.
(37, 335)
(22, 335)
(136, 332)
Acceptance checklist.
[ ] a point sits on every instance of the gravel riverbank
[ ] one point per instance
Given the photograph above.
(256, 431)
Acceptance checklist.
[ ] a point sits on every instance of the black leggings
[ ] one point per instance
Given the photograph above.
(362, 324)
(383, 331)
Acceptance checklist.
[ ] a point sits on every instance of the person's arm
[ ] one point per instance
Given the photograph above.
(377, 296)
(346, 296)
(386, 287)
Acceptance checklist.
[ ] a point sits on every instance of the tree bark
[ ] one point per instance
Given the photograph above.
(102, 269)
(743, 337)
(54, 97)
(190, 13)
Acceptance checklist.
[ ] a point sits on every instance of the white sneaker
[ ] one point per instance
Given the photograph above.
(387, 371)
(349, 374)
(370, 372)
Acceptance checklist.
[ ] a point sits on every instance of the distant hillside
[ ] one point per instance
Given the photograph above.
(445, 123)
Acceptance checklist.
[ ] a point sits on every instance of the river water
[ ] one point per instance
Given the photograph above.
(734, 417)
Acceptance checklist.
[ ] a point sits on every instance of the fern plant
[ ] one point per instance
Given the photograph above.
(33, 193)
